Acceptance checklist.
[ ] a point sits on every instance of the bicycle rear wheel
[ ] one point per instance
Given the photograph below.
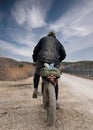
(49, 102)
(51, 113)
(45, 94)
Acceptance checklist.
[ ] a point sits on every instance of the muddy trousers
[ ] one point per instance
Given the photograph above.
(36, 82)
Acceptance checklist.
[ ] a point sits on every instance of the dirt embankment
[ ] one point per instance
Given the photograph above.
(12, 70)
(19, 111)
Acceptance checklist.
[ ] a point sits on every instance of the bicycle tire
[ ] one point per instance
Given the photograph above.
(51, 113)
(45, 95)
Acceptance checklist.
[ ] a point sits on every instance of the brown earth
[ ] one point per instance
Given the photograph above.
(19, 111)
(11, 70)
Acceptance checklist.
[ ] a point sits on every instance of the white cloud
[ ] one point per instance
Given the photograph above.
(76, 29)
(35, 18)
(76, 22)
(19, 14)
(16, 50)
(76, 45)
(31, 12)
(26, 38)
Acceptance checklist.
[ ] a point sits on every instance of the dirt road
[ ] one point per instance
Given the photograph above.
(19, 111)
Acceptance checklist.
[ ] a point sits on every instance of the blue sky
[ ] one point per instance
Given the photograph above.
(24, 22)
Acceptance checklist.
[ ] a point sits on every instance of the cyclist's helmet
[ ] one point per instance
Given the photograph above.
(52, 33)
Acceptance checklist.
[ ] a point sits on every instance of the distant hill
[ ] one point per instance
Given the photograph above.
(11, 69)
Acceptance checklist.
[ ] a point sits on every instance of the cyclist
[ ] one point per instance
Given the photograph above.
(48, 50)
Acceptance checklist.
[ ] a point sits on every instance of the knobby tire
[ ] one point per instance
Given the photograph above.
(49, 100)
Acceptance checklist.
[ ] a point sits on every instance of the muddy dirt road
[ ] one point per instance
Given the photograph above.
(19, 111)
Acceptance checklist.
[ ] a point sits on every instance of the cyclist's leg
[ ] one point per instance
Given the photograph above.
(56, 91)
(36, 79)
(36, 82)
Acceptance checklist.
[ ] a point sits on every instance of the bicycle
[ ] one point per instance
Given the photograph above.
(50, 76)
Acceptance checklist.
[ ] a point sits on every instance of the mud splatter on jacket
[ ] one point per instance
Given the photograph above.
(49, 49)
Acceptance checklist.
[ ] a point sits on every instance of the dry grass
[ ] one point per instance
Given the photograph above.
(14, 70)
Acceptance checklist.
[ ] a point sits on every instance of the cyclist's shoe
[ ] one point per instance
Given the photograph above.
(35, 93)
(57, 105)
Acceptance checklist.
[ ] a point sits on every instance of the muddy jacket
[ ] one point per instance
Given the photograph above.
(49, 49)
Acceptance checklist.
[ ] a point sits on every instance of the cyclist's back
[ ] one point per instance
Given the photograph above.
(48, 50)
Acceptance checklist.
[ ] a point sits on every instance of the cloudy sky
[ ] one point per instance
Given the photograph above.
(24, 22)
